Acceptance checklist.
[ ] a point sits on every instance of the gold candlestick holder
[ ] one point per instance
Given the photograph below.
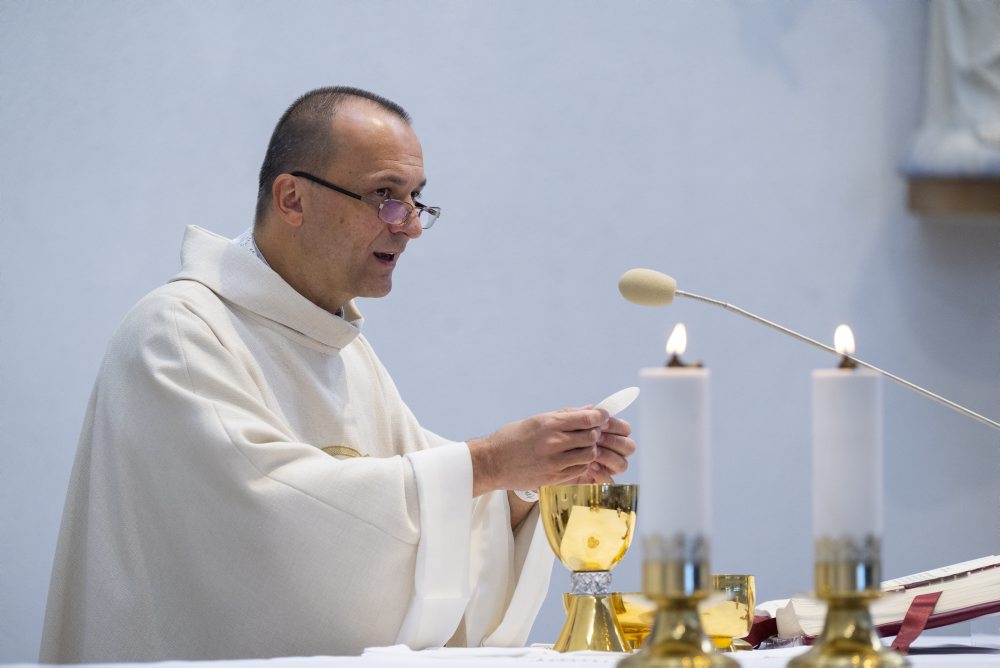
(848, 573)
(589, 527)
(675, 576)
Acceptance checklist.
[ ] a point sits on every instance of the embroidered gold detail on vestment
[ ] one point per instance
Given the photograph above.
(341, 451)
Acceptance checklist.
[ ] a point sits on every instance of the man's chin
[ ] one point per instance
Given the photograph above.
(376, 291)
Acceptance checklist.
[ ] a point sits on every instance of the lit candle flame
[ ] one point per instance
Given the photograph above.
(843, 340)
(678, 341)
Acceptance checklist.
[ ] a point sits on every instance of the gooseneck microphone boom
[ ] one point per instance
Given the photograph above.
(648, 287)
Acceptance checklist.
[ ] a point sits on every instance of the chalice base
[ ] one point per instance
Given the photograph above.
(849, 640)
(591, 624)
(727, 644)
(678, 640)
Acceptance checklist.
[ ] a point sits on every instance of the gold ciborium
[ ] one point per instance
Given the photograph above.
(726, 620)
(589, 528)
(635, 614)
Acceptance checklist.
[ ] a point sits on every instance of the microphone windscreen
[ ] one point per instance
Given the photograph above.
(647, 287)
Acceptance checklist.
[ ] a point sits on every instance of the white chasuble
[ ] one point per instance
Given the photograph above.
(212, 512)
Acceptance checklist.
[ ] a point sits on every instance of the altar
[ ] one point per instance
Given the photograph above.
(928, 651)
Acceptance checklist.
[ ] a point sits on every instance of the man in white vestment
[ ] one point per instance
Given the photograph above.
(249, 482)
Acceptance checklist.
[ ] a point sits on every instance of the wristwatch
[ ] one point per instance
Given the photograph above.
(529, 495)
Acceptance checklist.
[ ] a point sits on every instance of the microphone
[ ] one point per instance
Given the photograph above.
(648, 287)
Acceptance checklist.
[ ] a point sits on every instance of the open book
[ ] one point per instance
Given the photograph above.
(968, 590)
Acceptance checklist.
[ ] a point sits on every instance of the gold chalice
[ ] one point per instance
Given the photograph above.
(726, 621)
(589, 528)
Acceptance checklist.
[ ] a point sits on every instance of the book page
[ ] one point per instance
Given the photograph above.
(941, 574)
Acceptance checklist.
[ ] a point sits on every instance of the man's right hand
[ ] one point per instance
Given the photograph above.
(547, 449)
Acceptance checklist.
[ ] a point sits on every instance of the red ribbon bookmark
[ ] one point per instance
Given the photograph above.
(915, 620)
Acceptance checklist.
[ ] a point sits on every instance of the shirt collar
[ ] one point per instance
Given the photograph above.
(247, 242)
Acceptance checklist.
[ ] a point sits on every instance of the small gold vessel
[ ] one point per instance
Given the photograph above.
(731, 619)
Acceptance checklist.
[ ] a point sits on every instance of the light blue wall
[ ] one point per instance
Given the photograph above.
(750, 149)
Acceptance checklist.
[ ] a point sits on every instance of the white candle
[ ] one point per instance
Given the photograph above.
(673, 428)
(847, 450)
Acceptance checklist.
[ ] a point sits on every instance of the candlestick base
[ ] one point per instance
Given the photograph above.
(676, 583)
(849, 639)
(847, 574)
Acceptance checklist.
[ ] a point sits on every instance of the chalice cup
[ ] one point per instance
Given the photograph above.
(590, 527)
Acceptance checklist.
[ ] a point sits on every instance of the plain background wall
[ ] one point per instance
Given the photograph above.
(749, 149)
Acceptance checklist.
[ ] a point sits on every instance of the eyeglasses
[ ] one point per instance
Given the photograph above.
(390, 211)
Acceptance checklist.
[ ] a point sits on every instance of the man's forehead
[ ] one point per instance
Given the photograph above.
(393, 178)
(360, 117)
(372, 141)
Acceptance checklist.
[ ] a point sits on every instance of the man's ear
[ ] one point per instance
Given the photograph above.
(286, 195)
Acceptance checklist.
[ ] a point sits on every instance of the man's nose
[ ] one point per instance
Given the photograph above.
(411, 226)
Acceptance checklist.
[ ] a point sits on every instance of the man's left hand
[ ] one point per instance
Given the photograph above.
(610, 454)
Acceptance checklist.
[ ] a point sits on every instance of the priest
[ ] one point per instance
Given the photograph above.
(249, 482)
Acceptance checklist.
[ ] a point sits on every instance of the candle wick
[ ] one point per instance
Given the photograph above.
(847, 363)
(676, 361)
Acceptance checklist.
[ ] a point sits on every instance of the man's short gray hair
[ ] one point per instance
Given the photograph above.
(302, 139)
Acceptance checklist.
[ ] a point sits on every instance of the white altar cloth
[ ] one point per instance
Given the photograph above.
(504, 657)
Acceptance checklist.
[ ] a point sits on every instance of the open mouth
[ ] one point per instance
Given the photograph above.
(386, 257)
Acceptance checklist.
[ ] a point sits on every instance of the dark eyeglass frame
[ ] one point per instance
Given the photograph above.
(432, 212)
